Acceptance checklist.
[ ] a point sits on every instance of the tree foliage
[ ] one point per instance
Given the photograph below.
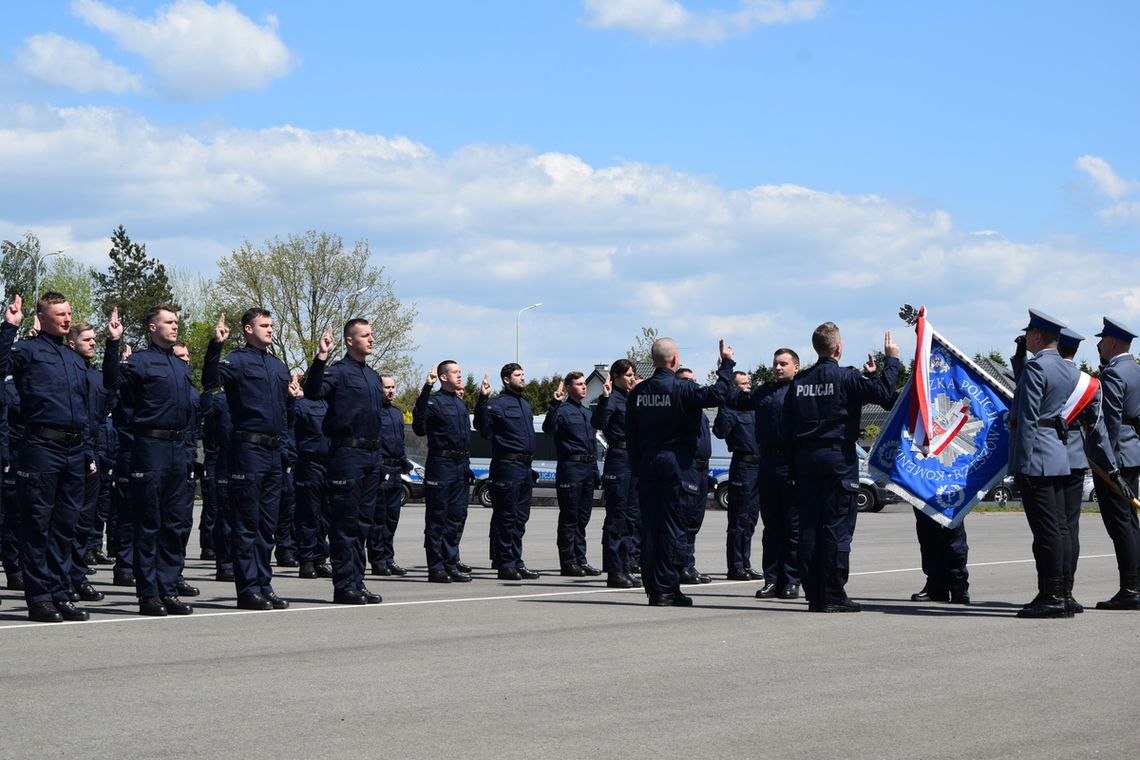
(74, 279)
(994, 356)
(134, 282)
(18, 267)
(639, 351)
(310, 282)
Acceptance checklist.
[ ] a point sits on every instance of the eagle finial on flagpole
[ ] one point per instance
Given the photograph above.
(908, 314)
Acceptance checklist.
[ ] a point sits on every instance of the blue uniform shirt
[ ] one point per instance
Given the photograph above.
(354, 394)
(444, 419)
(308, 429)
(156, 387)
(737, 430)
(824, 403)
(508, 421)
(216, 424)
(257, 388)
(51, 380)
(573, 432)
(391, 432)
(609, 416)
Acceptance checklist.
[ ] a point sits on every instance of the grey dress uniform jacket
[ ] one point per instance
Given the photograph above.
(1035, 447)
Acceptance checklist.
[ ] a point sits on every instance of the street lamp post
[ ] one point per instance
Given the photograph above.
(37, 264)
(518, 318)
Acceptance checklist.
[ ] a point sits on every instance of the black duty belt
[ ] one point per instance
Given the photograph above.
(368, 444)
(391, 462)
(579, 458)
(702, 464)
(617, 444)
(65, 437)
(455, 454)
(747, 458)
(514, 456)
(1056, 423)
(260, 439)
(162, 434)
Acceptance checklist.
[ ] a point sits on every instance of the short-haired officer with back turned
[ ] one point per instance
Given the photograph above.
(822, 421)
(662, 427)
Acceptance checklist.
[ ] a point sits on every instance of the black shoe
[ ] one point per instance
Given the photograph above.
(1045, 606)
(16, 582)
(927, 595)
(739, 574)
(960, 597)
(380, 568)
(589, 569)
(72, 595)
(123, 579)
(370, 597)
(253, 602)
(690, 578)
(182, 588)
(70, 612)
(88, 593)
(350, 596)
(572, 571)
(754, 575)
(791, 591)
(458, 576)
(208, 554)
(275, 601)
(704, 578)
(495, 564)
(101, 558)
(767, 591)
(845, 605)
(463, 568)
(395, 569)
(324, 569)
(307, 569)
(619, 580)
(635, 568)
(153, 606)
(226, 576)
(509, 574)
(1072, 604)
(1124, 599)
(89, 558)
(670, 600)
(634, 579)
(287, 560)
(527, 574)
(44, 612)
(439, 576)
(176, 606)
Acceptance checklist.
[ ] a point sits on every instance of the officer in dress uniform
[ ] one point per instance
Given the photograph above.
(352, 425)
(738, 431)
(1120, 386)
(577, 474)
(156, 387)
(217, 430)
(443, 418)
(696, 511)
(56, 457)
(393, 463)
(781, 535)
(508, 421)
(618, 483)
(663, 418)
(261, 408)
(822, 422)
(311, 489)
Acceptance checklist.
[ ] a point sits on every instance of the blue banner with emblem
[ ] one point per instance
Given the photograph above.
(945, 443)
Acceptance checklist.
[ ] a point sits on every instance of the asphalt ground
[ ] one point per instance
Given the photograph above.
(563, 667)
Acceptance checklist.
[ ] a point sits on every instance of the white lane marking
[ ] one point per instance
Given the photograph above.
(198, 614)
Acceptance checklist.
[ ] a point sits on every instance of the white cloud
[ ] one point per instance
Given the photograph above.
(196, 50)
(63, 62)
(670, 20)
(475, 235)
(1107, 180)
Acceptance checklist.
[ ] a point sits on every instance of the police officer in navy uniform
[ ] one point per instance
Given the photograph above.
(309, 483)
(738, 430)
(577, 474)
(696, 510)
(443, 418)
(508, 421)
(944, 553)
(10, 505)
(1120, 387)
(122, 508)
(822, 423)
(257, 392)
(352, 425)
(618, 483)
(56, 457)
(663, 418)
(156, 386)
(393, 464)
(217, 431)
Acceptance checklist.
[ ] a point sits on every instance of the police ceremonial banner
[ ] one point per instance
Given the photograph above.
(946, 441)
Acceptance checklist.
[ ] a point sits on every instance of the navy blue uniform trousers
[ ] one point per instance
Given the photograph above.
(621, 524)
(386, 517)
(445, 513)
(312, 513)
(827, 484)
(511, 492)
(666, 493)
(353, 482)
(780, 539)
(162, 495)
(743, 512)
(575, 482)
(255, 497)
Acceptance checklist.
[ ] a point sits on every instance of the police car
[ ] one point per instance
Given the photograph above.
(873, 494)
(545, 464)
(413, 483)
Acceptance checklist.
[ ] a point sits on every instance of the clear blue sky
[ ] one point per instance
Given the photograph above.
(707, 167)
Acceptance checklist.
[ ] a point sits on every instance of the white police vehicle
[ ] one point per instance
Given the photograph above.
(413, 483)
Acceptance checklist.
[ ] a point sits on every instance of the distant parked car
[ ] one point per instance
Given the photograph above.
(413, 483)
(1004, 491)
(873, 494)
(1088, 492)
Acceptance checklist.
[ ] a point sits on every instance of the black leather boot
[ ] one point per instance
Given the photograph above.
(1050, 600)
(1128, 597)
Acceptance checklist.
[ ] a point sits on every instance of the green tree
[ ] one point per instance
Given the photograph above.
(639, 351)
(134, 282)
(762, 374)
(74, 279)
(18, 268)
(310, 282)
(994, 356)
(539, 392)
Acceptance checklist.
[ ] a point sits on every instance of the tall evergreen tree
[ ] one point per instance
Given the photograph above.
(134, 282)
